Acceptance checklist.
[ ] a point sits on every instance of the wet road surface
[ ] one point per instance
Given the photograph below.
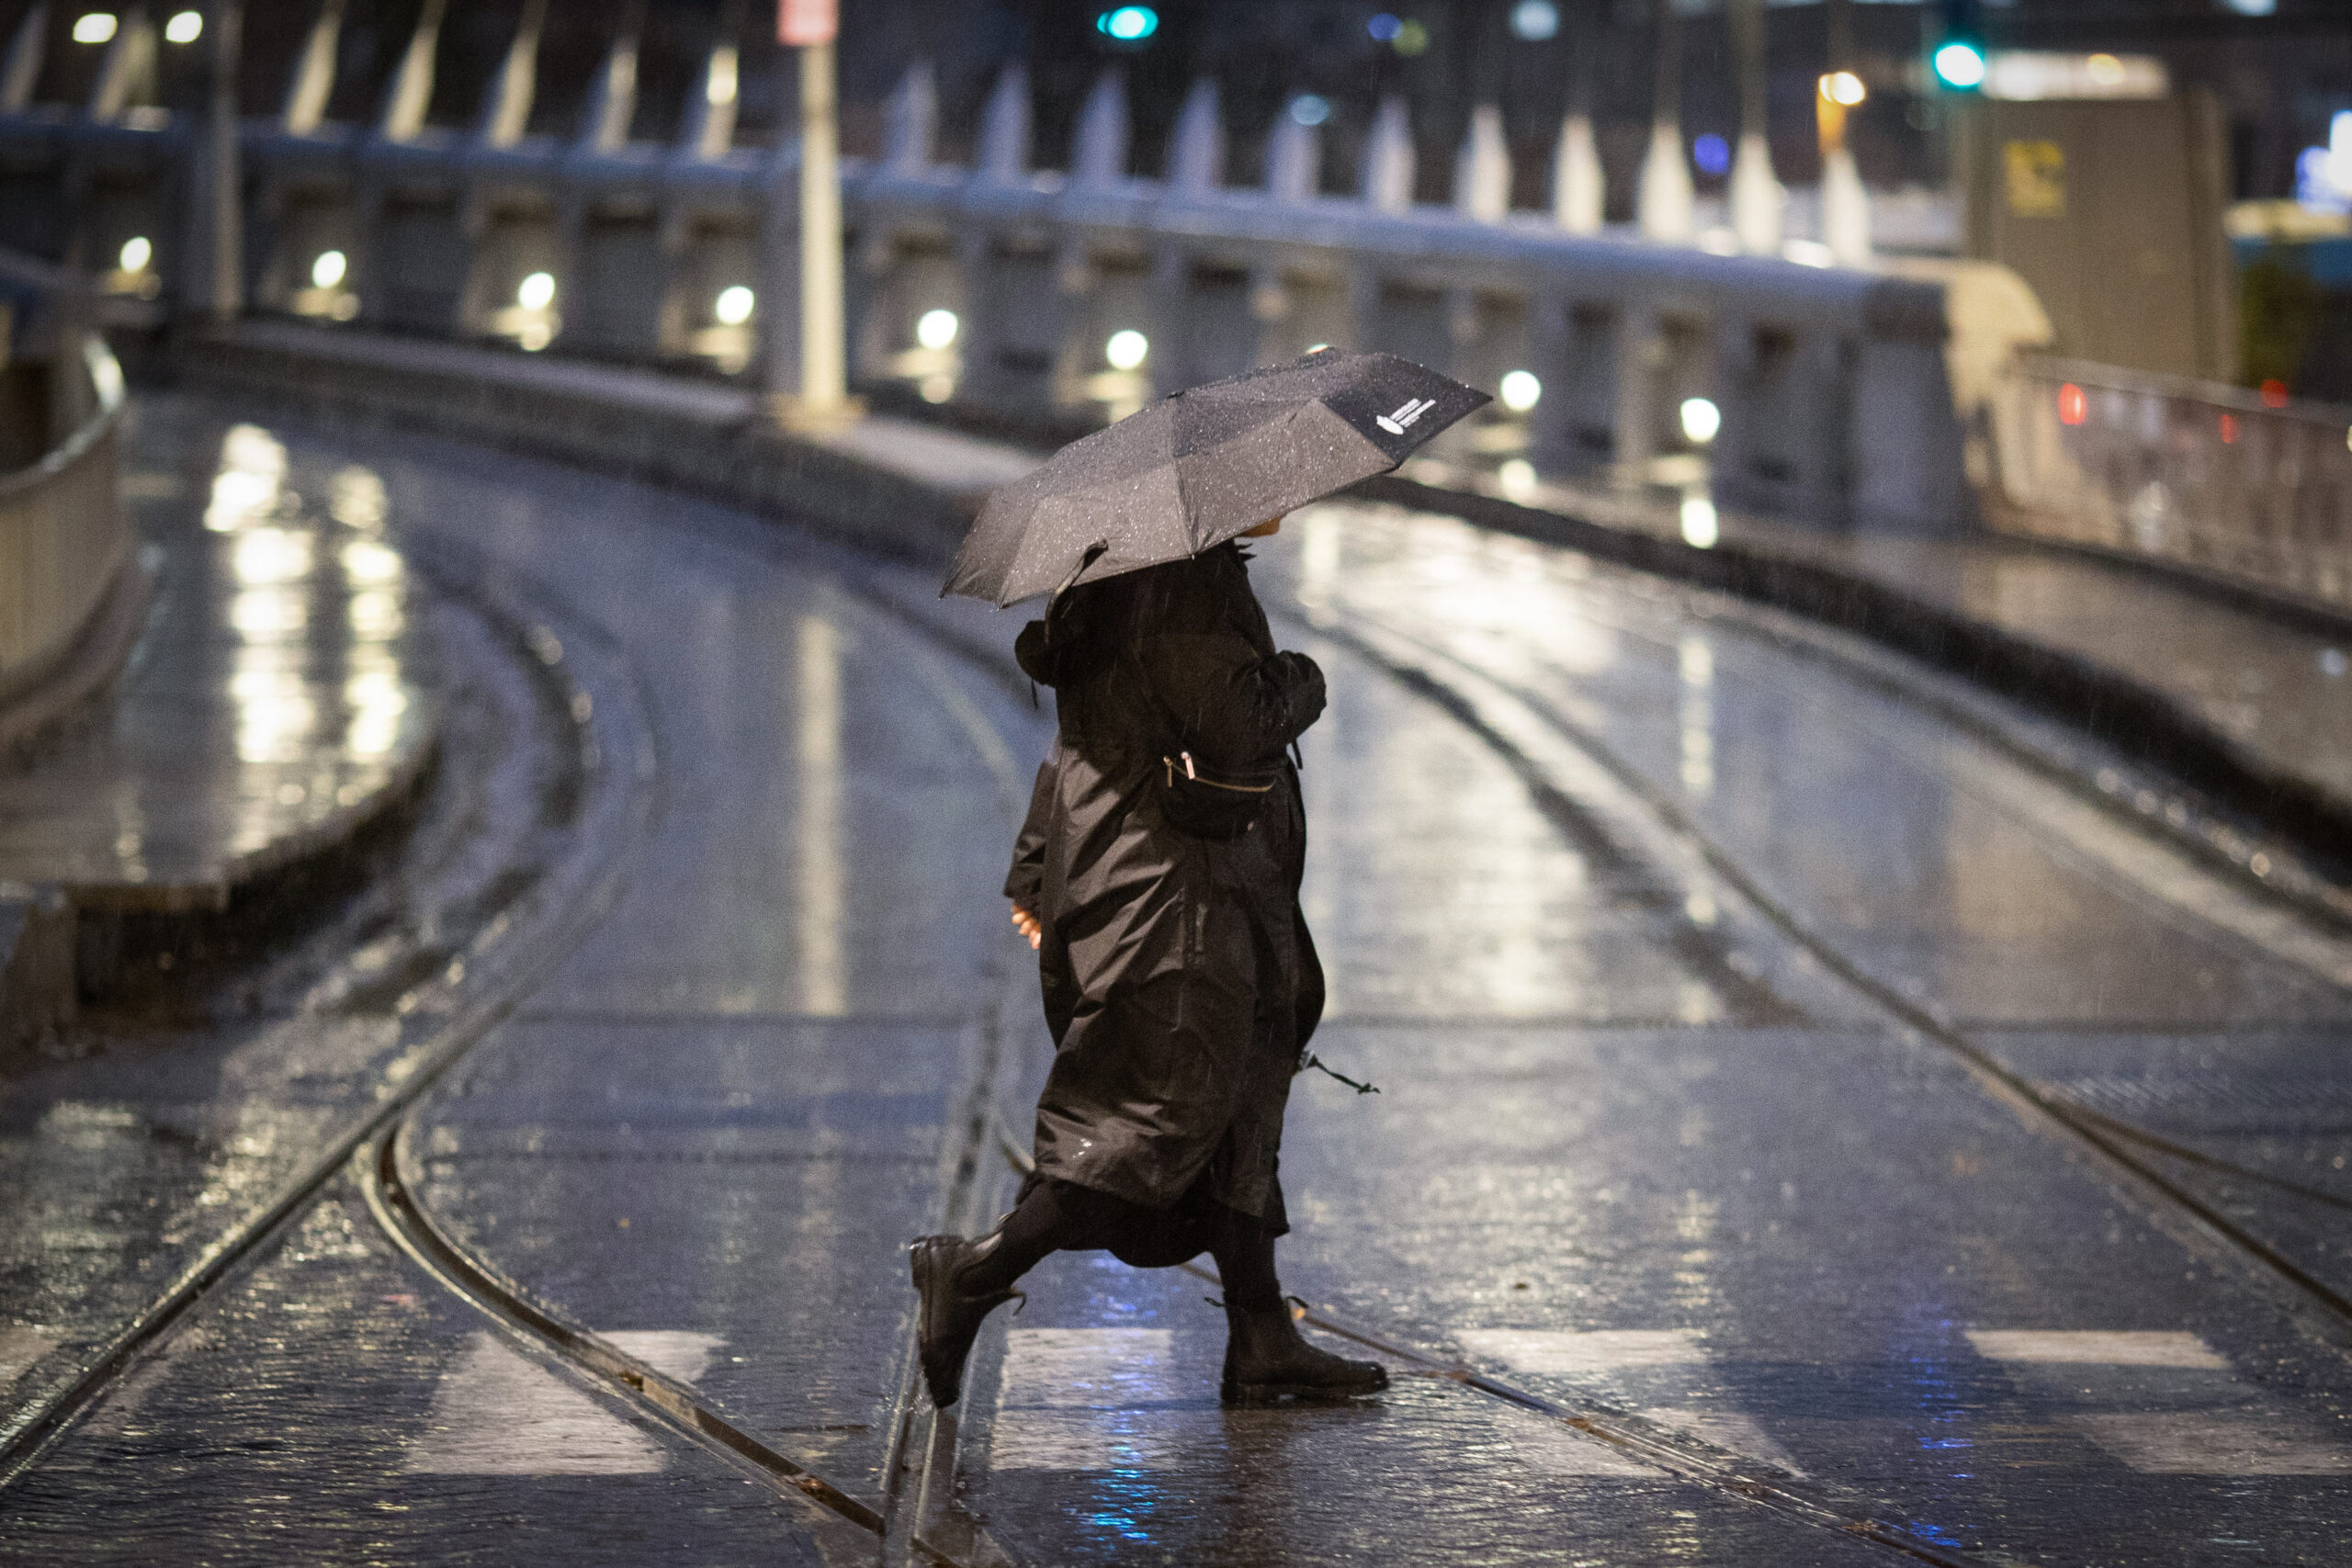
(1709, 983)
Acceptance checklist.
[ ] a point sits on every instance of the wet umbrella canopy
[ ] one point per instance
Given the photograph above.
(1200, 467)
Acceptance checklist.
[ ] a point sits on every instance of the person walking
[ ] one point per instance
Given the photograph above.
(1158, 871)
(1158, 877)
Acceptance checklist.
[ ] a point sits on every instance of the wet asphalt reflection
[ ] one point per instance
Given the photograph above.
(1638, 1148)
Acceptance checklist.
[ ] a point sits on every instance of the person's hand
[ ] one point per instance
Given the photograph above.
(1028, 925)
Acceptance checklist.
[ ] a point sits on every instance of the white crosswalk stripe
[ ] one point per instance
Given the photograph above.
(498, 1412)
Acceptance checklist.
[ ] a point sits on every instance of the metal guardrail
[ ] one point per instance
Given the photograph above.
(2186, 472)
(64, 540)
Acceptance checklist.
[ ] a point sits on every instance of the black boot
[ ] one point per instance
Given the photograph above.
(950, 1317)
(1266, 1359)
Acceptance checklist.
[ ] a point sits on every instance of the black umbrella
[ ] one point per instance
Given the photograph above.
(1199, 467)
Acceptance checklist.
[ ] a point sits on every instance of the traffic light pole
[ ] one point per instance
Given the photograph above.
(822, 402)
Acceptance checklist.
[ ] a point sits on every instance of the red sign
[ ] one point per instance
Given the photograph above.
(802, 22)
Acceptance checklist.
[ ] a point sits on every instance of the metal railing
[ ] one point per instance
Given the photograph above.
(2188, 472)
(63, 537)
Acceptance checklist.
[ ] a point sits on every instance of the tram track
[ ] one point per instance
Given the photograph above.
(916, 1520)
(592, 678)
(1481, 702)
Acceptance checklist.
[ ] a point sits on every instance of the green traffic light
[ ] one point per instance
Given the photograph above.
(1961, 65)
(1128, 24)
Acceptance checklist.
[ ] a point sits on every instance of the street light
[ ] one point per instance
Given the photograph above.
(185, 27)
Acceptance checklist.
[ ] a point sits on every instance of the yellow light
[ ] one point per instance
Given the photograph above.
(96, 28)
(537, 291)
(328, 270)
(721, 87)
(1521, 390)
(1127, 349)
(1843, 88)
(937, 329)
(136, 253)
(2104, 69)
(185, 27)
(734, 306)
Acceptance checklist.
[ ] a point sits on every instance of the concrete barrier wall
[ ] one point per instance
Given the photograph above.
(1834, 387)
(65, 545)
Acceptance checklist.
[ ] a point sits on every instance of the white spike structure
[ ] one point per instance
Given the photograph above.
(1664, 202)
(910, 121)
(612, 100)
(507, 111)
(128, 71)
(1388, 170)
(1482, 169)
(410, 96)
(1578, 186)
(1845, 210)
(1759, 202)
(1100, 154)
(21, 76)
(1004, 127)
(1196, 157)
(709, 129)
(1293, 158)
(313, 84)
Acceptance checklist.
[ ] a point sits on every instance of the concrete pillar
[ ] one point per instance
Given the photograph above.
(1004, 127)
(910, 121)
(1387, 181)
(1293, 158)
(1664, 199)
(21, 76)
(709, 129)
(1099, 156)
(1641, 355)
(1482, 169)
(226, 171)
(313, 83)
(1196, 155)
(410, 96)
(1757, 200)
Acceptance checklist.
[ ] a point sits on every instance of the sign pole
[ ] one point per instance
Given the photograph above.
(823, 404)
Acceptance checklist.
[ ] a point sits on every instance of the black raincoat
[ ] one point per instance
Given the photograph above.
(1180, 981)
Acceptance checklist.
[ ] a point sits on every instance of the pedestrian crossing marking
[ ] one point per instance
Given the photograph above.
(679, 1353)
(2102, 1348)
(1095, 1399)
(497, 1413)
(2222, 1442)
(1549, 1448)
(20, 1346)
(1091, 1368)
(1732, 1432)
(1544, 1352)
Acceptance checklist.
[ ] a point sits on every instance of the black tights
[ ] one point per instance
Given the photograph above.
(1060, 1216)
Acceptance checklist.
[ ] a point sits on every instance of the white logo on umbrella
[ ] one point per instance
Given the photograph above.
(1413, 409)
